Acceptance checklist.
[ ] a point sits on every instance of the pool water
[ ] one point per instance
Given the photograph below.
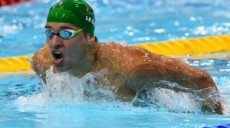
(26, 103)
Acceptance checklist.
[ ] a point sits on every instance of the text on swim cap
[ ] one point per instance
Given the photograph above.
(91, 20)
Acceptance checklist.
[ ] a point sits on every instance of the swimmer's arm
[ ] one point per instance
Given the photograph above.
(189, 78)
(41, 61)
(142, 76)
(152, 75)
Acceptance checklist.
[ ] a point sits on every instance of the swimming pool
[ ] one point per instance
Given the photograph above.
(24, 102)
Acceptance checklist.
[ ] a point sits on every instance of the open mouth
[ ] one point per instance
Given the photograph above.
(57, 58)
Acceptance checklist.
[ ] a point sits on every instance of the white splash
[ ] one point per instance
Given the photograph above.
(224, 88)
(63, 88)
(187, 58)
(175, 101)
(174, 98)
(169, 100)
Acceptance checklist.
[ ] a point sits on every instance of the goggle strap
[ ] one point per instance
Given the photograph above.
(78, 31)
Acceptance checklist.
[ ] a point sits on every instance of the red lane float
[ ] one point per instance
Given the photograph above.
(10, 2)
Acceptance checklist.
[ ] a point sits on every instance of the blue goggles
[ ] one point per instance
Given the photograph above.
(64, 33)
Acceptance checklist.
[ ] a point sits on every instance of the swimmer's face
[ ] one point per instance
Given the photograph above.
(67, 54)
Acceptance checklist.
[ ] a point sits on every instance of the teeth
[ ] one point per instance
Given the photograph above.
(57, 52)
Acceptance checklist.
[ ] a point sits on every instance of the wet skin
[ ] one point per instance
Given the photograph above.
(129, 68)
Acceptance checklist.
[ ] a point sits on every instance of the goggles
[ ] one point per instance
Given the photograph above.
(64, 33)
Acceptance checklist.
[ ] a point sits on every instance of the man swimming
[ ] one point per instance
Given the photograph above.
(72, 47)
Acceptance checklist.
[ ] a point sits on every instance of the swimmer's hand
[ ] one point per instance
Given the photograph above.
(41, 61)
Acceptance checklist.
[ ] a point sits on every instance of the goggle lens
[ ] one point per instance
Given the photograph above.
(64, 33)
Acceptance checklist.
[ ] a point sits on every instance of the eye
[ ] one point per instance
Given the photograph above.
(66, 34)
(49, 33)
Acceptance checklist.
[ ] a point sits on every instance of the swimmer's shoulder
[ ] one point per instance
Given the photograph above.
(109, 49)
(118, 47)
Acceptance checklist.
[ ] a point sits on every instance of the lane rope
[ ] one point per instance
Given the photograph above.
(180, 47)
(15, 64)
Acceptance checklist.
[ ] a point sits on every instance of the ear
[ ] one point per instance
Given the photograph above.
(92, 39)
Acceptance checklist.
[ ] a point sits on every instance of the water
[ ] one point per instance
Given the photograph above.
(25, 102)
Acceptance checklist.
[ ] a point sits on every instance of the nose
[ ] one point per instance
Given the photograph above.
(56, 42)
(57, 46)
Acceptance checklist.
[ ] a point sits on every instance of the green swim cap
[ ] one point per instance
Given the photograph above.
(76, 12)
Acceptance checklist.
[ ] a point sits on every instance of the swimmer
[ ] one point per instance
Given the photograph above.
(72, 47)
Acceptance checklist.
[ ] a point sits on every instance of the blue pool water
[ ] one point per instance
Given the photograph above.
(25, 102)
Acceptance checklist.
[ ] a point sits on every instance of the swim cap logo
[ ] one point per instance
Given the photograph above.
(91, 20)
